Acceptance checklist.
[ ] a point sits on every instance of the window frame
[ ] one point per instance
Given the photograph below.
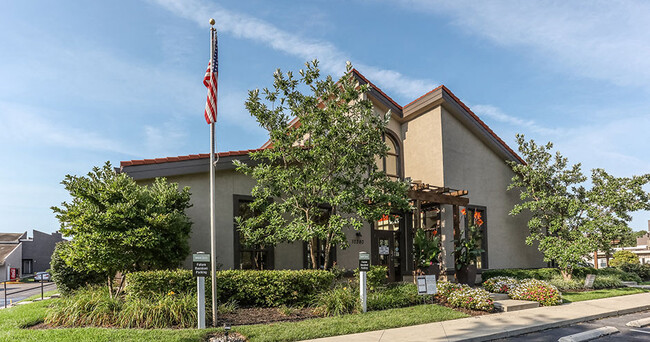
(237, 247)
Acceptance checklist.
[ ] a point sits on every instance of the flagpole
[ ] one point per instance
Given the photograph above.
(213, 248)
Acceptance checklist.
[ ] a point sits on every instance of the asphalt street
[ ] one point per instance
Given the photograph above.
(18, 292)
(626, 333)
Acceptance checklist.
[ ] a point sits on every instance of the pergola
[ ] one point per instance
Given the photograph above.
(422, 193)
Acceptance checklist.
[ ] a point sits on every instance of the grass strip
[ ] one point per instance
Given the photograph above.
(571, 297)
(14, 320)
(38, 296)
(349, 324)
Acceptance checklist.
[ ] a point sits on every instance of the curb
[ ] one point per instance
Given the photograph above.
(639, 323)
(536, 328)
(589, 335)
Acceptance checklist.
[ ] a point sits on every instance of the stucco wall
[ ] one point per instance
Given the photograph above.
(471, 165)
(40, 249)
(423, 148)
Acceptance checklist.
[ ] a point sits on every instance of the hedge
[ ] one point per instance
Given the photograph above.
(550, 273)
(246, 287)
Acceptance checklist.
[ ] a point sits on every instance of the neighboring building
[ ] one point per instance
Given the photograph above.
(10, 253)
(642, 250)
(452, 157)
(26, 255)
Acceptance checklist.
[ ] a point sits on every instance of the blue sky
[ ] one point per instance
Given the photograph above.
(86, 82)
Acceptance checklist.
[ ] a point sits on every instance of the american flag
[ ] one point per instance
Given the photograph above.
(210, 81)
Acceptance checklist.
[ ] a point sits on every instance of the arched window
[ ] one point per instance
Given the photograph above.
(391, 163)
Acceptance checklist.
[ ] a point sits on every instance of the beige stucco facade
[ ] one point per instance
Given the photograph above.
(440, 143)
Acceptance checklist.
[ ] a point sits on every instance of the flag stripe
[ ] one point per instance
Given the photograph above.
(210, 81)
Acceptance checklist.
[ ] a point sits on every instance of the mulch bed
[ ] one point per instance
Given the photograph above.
(244, 316)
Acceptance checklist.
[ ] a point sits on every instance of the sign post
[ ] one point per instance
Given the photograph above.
(364, 266)
(201, 269)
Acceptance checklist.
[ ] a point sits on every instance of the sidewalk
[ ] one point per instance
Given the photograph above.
(506, 324)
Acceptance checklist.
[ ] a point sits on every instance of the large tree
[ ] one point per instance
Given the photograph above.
(118, 226)
(320, 175)
(568, 220)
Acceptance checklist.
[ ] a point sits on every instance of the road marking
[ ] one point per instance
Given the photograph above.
(641, 331)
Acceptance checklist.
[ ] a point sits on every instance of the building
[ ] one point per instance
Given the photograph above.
(26, 255)
(642, 250)
(452, 157)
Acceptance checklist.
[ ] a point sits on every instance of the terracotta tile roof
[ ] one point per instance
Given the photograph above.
(187, 157)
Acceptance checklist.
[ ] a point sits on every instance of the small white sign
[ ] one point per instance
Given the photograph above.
(589, 281)
(427, 284)
(383, 250)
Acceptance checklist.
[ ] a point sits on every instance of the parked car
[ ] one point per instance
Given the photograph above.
(42, 276)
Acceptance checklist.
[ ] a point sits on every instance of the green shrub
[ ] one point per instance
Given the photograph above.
(499, 284)
(471, 298)
(397, 296)
(376, 277)
(68, 279)
(536, 290)
(341, 300)
(623, 257)
(518, 273)
(643, 271)
(607, 282)
(246, 287)
(582, 272)
(567, 285)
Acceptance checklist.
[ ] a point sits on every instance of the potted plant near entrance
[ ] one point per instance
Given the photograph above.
(468, 249)
(426, 252)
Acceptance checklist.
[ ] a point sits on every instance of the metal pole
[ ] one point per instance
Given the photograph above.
(41, 287)
(5, 283)
(362, 290)
(213, 248)
(200, 290)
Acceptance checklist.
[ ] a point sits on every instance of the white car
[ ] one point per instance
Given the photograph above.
(42, 276)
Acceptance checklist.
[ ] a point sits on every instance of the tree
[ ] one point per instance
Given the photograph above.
(629, 238)
(67, 278)
(568, 220)
(321, 170)
(623, 258)
(120, 226)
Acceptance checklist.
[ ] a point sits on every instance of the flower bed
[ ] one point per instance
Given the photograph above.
(463, 296)
(536, 290)
(500, 284)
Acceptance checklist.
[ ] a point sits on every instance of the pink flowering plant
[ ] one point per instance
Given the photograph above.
(463, 296)
(536, 290)
(500, 284)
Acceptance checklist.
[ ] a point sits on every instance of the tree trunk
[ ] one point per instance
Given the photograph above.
(567, 273)
(607, 256)
(312, 253)
(110, 286)
(328, 246)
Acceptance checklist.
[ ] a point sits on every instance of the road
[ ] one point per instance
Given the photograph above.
(625, 334)
(18, 292)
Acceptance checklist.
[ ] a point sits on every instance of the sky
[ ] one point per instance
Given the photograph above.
(82, 83)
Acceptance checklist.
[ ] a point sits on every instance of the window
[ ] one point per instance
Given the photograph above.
(479, 212)
(249, 256)
(28, 266)
(391, 163)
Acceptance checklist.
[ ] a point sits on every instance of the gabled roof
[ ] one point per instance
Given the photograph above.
(378, 94)
(10, 237)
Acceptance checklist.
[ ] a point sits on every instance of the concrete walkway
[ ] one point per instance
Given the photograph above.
(506, 324)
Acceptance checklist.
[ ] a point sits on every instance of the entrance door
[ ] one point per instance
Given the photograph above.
(386, 252)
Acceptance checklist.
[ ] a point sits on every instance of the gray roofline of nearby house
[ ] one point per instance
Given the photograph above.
(178, 168)
(4, 256)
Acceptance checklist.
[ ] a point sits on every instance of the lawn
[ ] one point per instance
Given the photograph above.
(570, 297)
(45, 294)
(13, 321)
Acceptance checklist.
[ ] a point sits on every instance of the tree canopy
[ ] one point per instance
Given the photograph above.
(569, 220)
(321, 168)
(117, 225)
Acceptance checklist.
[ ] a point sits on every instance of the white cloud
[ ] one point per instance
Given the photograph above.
(600, 39)
(332, 60)
(23, 125)
(497, 114)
